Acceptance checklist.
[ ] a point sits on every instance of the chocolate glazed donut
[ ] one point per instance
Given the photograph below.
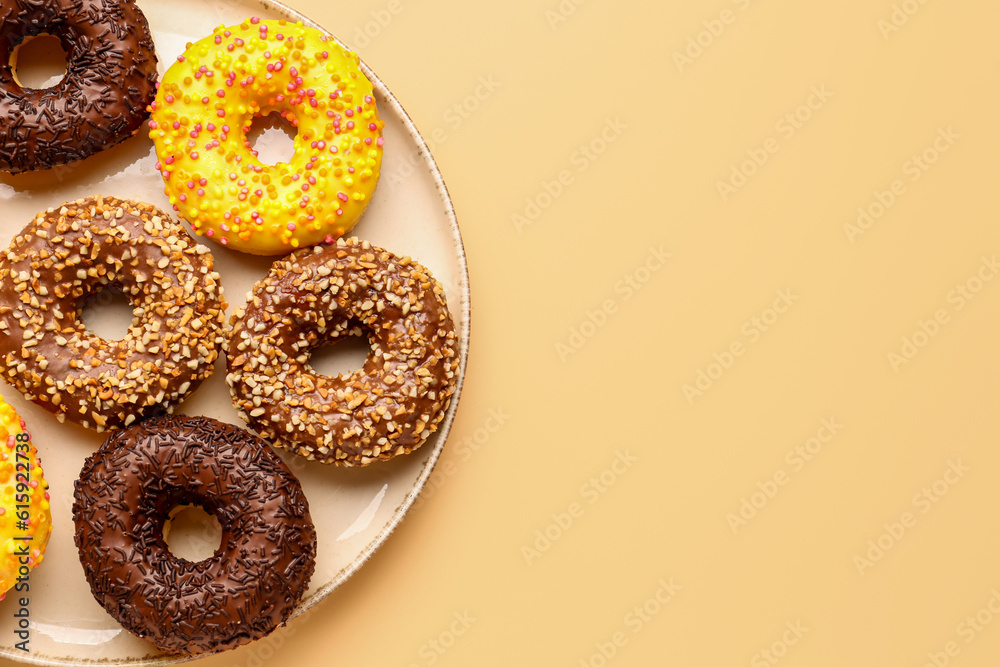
(68, 253)
(253, 581)
(110, 80)
(319, 295)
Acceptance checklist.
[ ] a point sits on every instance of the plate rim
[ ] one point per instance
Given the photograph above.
(444, 428)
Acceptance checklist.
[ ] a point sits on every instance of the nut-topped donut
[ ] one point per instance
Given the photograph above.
(103, 98)
(253, 581)
(314, 297)
(206, 104)
(68, 253)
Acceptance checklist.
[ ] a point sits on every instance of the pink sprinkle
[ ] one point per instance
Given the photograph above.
(180, 59)
(340, 211)
(194, 155)
(349, 113)
(372, 126)
(368, 99)
(220, 92)
(201, 193)
(218, 39)
(230, 47)
(169, 98)
(255, 20)
(380, 141)
(169, 160)
(278, 66)
(341, 196)
(190, 185)
(153, 125)
(183, 197)
(203, 182)
(350, 125)
(291, 226)
(220, 113)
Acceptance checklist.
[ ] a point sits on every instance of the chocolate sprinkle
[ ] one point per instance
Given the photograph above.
(316, 296)
(66, 254)
(103, 98)
(254, 580)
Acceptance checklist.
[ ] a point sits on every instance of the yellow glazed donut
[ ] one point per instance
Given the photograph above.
(205, 106)
(25, 518)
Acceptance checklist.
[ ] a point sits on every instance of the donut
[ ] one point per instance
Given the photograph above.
(316, 296)
(25, 516)
(206, 104)
(69, 253)
(253, 581)
(103, 98)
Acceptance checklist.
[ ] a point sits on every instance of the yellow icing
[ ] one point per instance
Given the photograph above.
(24, 501)
(212, 178)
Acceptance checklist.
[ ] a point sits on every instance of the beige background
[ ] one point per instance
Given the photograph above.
(778, 445)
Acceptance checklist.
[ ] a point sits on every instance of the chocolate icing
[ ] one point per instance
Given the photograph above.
(67, 253)
(253, 581)
(110, 80)
(314, 297)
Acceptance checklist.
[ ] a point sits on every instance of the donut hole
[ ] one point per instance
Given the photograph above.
(107, 313)
(192, 533)
(343, 355)
(271, 138)
(39, 62)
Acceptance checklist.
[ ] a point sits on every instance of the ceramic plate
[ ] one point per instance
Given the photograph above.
(355, 510)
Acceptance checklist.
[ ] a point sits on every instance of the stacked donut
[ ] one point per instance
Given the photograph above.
(324, 288)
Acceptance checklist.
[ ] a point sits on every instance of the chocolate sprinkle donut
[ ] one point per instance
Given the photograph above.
(110, 80)
(255, 578)
(316, 296)
(67, 254)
